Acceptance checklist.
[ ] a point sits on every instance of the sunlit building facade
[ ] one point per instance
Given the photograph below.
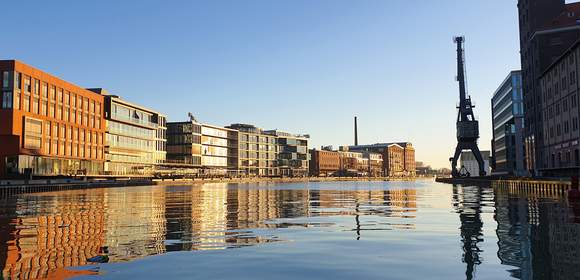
(49, 126)
(217, 145)
(135, 137)
(398, 158)
(293, 153)
(324, 163)
(257, 151)
(184, 143)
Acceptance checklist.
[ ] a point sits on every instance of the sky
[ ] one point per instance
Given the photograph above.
(302, 66)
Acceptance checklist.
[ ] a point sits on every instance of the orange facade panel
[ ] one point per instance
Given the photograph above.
(51, 120)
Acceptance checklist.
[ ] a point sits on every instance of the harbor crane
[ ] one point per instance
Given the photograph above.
(467, 126)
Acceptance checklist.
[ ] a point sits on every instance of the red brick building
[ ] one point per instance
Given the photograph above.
(324, 163)
(48, 125)
(398, 158)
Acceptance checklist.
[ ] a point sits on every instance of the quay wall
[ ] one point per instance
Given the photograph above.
(13, 187)
(548, 186)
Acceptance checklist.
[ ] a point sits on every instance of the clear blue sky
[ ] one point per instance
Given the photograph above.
(304, 66)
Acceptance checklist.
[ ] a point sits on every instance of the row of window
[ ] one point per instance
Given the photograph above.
(257, 139)
(563, 128)
(142, 158)
(62, 140)
(130, 130)
(551, 89)
(214, 132)
(565, 160)
(118, 141)
(44, 99)
(256, 147)
(214, 161)
(124, 113)
(245, 154)
(560, 107)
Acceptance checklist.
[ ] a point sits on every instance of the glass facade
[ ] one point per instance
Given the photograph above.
(293, 156)
(135, 138)
(257, 151)
(215, 143)
(184, 143)
(507, 119)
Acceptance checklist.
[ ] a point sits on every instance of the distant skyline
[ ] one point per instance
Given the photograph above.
(301, 66)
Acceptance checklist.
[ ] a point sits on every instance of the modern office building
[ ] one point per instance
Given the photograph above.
(293, 153)
(468, 162)
(184, 146)
(135, 135)
(217, 145)
(547, 29)
(257, 151)
(324, 163)
(507, 110)
(560, 88)
(48, 126)
(398, 158)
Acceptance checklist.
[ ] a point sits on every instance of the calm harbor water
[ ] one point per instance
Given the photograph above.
(338, 230)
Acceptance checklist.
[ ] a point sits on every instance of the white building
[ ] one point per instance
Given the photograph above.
(467, 161)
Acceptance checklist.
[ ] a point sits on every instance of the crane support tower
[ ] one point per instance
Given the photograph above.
(467, 126)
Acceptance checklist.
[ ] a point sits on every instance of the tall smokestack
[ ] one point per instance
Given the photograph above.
(355, 133)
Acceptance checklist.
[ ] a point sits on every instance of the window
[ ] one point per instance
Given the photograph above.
(6, 79)
(52, 105)
(17, 80)
(32, 133)
(7, 100)
(27, 86)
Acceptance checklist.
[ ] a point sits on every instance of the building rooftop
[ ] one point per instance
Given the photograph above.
(561, 57)
(118, 99)
(570, 16)
(382, 145)
(286, 134)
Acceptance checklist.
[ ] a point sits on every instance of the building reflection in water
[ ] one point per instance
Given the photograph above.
(43, 234)
(467, 201)
(538, 234)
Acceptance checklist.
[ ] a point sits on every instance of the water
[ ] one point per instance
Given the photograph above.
(346, 230)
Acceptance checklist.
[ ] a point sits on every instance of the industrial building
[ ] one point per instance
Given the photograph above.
(398, 158)
(507, 110)
(560, 112)
(547, 30)
(324, 163)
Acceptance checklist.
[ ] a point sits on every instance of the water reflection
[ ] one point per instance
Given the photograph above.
(538, 233)
(484, 233)
(44, 234)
